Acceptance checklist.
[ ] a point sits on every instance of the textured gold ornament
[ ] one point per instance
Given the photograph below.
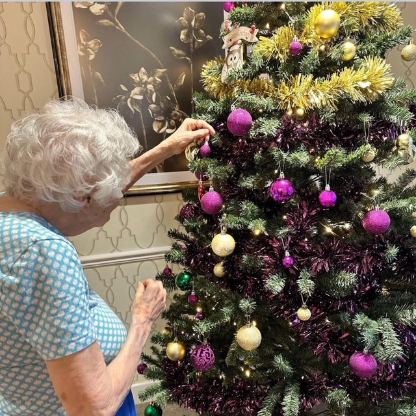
(413, 231)
(248, 337)
(348, 51)
(409, 52)
(223, 244)
(304, 314)
(368, 156)
(175, 350)
(166, 331)
(327, 24)
(219, 270)
(402, 142)
(384, 291)
(300, 113)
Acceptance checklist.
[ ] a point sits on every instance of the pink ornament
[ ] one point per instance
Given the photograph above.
(187, 211)
(288, 261)
(376, 222)
(239, 122)
(202, 357)
(363, 365)
(167, 272)
(193, 299)
(228, 6)
(282, 190)
(200, 316)
(212, 202)
(141, 368)
(327, 198)
(205, 150)
(295, 48)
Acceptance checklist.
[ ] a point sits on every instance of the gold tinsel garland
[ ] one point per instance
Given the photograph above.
(365, 84)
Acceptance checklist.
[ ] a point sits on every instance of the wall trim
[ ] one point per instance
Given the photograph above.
(123, 257)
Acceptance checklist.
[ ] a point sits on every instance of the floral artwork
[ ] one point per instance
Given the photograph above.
(144, 59)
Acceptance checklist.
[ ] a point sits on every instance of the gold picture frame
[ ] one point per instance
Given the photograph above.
(65, 31)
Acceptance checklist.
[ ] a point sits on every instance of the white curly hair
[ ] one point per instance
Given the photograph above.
(67, 151)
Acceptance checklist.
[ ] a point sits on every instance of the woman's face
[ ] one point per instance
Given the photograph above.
(96, 215)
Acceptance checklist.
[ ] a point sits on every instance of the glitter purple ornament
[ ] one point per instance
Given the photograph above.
(212, 202)
(363, 365)
(327, 198)
(167, 271)
(239, 122)
(141, 368)
(228, 6)
(288, 261)
(193, 299)
(200, 316)
(202, 357)
(376, 222)
(295, 48)
(205, 150)
(282, 190)
(187, 211)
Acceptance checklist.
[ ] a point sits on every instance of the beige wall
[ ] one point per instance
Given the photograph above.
(131, 246)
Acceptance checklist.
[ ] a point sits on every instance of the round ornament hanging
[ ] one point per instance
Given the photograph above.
(288, 260)
(141, 368)
(327, 198)
(212, 202)
(304, 314)
(376, 222)
(193, 299)
(203, 357)
(223, 244)
(239, 122)
(153, 410)
(184, 280)
(167, 271)
(187, 211)
(166, 331)
(282, 190)
(368, 156)
(363, 365)
(200, 316)
(219, 269)
(175, 350)
(228, 6)
(348, 51)
(402, 141)
(327, 24)
(249, 337)
(295, 48)
(409, 52)
(205, 150)
(413, 231)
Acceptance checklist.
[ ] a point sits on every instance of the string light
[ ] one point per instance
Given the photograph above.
(256, 232)
(199, 309)
(267, 26)
(247, 373)
(254, 323)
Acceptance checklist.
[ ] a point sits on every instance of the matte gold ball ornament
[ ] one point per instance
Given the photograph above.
(175, 350)
(409, 52)
(223, 244)
(413, 231)
(219, 269)
(300, 113)
(348, 50)
(304, 314)
(368, 156)
(166, 331)
(249, 337)
(327, 24)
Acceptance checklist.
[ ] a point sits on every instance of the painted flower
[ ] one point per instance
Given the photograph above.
(192, 26)
(166, 117)
(96, 8)
(146, 85)
(86, 46)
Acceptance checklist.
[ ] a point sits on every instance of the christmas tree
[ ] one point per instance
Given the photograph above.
(298, 259)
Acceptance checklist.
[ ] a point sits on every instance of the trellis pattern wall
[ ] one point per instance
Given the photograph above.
(131, 246)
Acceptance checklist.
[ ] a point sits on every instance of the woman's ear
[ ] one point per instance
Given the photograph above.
(87, 202)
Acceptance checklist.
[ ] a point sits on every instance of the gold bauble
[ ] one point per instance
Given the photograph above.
(413, 231)
(166, 331)
(304, 314)
(300, 113)
(175, 350)
(405, 155)
(219, 270)
(368, 156)
(402, 142)
(327, 24)
(323, 49)
(223, 244)
(409, 52)
(248, 337)
(348, 51)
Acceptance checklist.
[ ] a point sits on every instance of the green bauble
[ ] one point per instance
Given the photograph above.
(184, 281)
(153, 410)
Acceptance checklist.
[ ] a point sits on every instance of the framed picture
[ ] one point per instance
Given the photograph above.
(142, 58)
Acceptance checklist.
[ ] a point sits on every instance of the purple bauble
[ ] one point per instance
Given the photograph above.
(376, 222)
(200, 316)
(212, 202)
(228, 6)
(239, 122)
(288, 261)
(141, 368)
(205, 150)
(187, 211)
(193, 299)
(328, 198)
(363, 365)
(202, 357)
(282, 190)
(201, 176)
(295, 48)
(167, 271)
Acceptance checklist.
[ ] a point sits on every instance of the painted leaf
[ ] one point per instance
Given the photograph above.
(98, 77)
(178, 53)
(179, 82)
(119, 4)
(105, 22)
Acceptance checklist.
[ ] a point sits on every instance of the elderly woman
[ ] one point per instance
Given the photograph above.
(62, 349)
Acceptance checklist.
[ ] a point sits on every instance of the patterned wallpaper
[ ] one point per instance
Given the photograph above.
(131, 246)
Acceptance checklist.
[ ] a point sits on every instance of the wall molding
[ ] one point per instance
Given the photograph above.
(123, 257)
